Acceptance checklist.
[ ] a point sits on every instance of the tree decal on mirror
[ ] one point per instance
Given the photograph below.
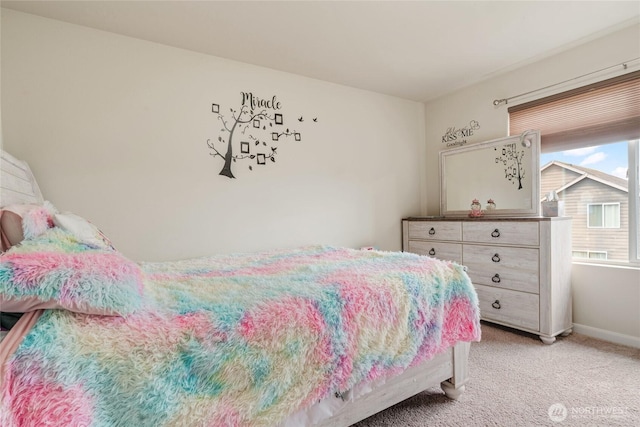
(250, 134)
(511, 159)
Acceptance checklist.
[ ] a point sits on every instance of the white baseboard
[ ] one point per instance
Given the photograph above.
(603, 334)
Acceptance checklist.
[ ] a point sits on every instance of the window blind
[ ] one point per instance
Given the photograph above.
(600, 113)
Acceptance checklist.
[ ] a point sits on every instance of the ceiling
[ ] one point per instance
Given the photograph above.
(417, 50)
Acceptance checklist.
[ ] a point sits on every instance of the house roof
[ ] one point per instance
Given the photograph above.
(588, 173)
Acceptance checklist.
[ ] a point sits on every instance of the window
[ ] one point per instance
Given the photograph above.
(592, 182)
(603, 215)
(590, 254)
(590, 158)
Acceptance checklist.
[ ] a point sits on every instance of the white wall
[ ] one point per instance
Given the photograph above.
(115, 130)
(607, 302)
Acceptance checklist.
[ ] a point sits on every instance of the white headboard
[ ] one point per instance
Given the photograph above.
(17, 183)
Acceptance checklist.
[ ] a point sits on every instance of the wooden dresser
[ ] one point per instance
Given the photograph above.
(520, 267)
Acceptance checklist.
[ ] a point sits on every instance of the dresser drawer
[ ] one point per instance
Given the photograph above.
(435, 230)
(503, 267)
(502, 232)
(440, 250)
(519, 309)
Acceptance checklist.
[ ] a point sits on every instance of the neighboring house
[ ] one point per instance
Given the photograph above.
(598, 204)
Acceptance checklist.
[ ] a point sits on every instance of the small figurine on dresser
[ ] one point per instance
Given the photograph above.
(491, 205)
(476, 209)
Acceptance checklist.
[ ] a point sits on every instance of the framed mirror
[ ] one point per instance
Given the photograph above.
(504, 171)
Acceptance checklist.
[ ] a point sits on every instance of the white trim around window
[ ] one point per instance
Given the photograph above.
(634, 202)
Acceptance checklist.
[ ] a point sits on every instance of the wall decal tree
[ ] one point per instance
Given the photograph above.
(255, 122)
(511, 159)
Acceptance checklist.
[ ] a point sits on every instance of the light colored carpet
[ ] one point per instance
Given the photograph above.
(515, 379)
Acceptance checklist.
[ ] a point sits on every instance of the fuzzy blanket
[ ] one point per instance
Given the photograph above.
(239, 340)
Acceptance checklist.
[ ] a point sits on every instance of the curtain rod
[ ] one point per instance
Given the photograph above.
(497, 102)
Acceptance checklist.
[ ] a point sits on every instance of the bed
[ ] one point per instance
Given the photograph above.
(315, 335)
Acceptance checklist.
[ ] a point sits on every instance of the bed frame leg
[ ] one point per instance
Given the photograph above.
(454, 386)
(451, 391)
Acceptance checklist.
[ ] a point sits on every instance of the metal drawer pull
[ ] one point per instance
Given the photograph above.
(495, 233)
(496, 305)
(432, 231)
(496, 278)
(495, 258)
(432, 251)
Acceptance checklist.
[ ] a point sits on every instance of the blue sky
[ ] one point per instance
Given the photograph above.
(609, 158)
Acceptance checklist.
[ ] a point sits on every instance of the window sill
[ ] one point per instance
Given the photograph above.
(619, 265)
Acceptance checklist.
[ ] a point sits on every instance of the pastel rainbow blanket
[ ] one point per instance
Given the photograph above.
(240, 340)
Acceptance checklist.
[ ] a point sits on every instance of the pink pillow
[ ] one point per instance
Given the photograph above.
(10, 229)
(57, 270)
(18, 222)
